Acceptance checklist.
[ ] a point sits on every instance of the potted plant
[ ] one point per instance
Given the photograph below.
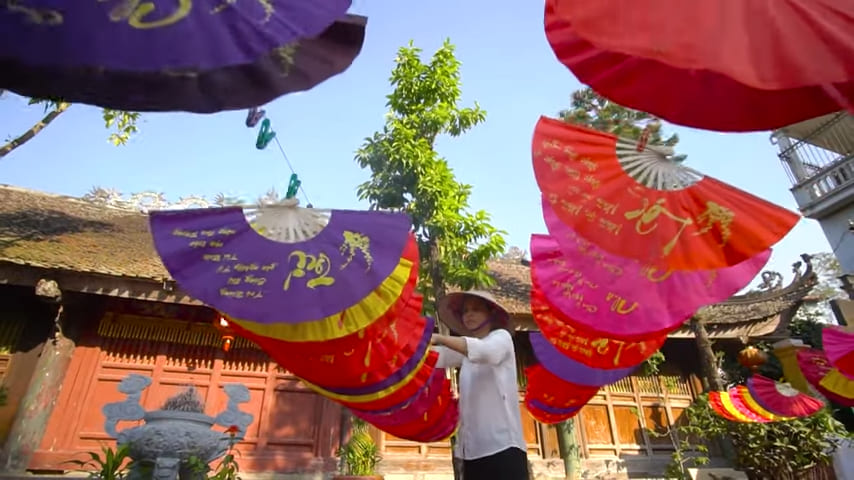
(360, 456)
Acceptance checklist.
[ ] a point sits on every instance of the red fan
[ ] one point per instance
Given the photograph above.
(427, 409)
(781, 399)
(637, 202)
(838, 343)
(553, 391)
(360, 359)
(729, 66)
(542, 416)
(396, 395)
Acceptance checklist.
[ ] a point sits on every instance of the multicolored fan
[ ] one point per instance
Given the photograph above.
(636, 201)
(838, 344)
(329, 295)
(762, 401)
(823, 377)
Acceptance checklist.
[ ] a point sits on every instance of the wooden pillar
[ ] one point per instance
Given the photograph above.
(37, 403)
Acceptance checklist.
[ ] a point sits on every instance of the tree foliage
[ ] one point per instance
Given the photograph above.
(122, 124)
(407, 174)
(767, 451)
(595, 111)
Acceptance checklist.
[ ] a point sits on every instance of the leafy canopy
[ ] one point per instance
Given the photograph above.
(407, 174)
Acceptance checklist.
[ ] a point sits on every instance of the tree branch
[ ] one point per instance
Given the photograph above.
(34, 130)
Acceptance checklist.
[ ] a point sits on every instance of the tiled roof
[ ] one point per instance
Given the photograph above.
(53, 231)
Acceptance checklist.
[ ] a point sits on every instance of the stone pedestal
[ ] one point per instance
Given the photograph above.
(174, 444)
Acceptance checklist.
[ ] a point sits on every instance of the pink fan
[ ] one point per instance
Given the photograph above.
(781, 399)
(839, 347)
(619, 297)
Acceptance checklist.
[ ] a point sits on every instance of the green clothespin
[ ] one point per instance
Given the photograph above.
(265, 135)
(293, 186)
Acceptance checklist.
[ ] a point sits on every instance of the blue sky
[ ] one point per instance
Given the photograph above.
(511, 72)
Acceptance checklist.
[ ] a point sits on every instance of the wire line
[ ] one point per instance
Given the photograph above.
(288, 161)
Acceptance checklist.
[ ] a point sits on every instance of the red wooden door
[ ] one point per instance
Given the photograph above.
(294, 430)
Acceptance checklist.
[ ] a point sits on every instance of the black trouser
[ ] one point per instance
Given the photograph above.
(509, 464)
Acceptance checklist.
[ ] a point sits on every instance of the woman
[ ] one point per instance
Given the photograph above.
(489, 439)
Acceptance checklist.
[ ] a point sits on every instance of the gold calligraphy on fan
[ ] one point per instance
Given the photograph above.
(144, 15)
(569, 339)
(645, 217)
(577, 285)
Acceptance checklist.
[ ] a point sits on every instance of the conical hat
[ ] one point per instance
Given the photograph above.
(450, 310)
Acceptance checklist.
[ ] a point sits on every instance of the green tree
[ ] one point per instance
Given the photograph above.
(595, 111)
(407, 174)
(122, 124)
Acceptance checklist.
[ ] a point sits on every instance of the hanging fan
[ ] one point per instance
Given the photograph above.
(780, 398)
(428, 409)
(552, 390)
(578, 343)
(161, 56)
(728, 66)
(571, 371)
(838, 344)
(353, 319)
(545, 417)
(369, 360)
(391, 397)
(396, 376)
(316, 270)
(552, 410)
(637, 201)
(618, 297)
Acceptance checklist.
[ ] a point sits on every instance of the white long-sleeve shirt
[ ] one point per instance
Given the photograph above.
(490, 419)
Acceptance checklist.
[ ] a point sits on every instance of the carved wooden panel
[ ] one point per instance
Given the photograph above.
(294, 429)
(617, 420)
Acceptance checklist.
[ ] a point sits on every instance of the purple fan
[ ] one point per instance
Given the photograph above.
(158, 55)
(217, 257)
(570, 370)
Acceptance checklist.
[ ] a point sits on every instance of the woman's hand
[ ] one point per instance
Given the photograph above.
(438, 339)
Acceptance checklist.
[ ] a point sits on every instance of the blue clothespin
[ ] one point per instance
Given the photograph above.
(265, 135)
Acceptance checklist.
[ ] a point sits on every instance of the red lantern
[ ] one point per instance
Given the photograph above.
(223, 326)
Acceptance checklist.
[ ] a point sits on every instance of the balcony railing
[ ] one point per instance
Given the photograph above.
(817, 155)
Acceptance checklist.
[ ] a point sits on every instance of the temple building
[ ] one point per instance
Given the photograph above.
(85, 300)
